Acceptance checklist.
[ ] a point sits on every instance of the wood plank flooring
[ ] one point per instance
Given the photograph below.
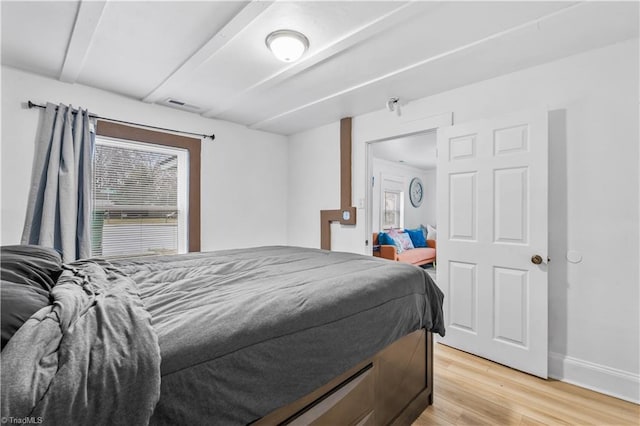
(473, 391)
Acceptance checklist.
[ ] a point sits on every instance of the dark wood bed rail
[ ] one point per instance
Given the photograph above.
(392, 387)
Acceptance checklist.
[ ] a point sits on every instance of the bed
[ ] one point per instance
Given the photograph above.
(268, 335)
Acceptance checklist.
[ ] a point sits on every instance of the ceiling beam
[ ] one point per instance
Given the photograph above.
(231, 29)
(85, 27)
(353, 88)
(370, 29)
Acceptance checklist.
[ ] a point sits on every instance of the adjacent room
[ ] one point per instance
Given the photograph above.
(403, 199)
(312, 212)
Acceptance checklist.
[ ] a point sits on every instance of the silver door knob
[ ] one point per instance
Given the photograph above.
(536, 259)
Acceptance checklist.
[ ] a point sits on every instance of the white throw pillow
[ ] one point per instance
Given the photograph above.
(432, 234)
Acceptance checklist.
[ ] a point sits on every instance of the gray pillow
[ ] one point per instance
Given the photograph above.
(19, 302)
(28, 274)
(30, 265)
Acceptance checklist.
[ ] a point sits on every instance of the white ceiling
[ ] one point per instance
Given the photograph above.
(212, 55)
(417, 151)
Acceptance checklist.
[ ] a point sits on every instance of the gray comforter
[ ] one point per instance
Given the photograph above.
(240, 333)
(90, 358)
(243, 332)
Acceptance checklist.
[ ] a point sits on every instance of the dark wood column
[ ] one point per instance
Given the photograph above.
(346, 215)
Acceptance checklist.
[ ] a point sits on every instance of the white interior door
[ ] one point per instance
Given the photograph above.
(492, 222)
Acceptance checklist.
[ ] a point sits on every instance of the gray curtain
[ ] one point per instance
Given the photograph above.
(59, 208)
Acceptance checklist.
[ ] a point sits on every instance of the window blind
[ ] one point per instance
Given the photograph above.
(139, 199)
(392, 212)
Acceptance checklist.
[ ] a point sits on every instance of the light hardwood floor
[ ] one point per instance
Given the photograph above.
(473, 391)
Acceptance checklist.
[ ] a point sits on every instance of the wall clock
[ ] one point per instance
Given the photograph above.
(416, 192)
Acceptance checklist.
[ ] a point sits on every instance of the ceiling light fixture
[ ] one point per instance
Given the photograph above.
(287, 45)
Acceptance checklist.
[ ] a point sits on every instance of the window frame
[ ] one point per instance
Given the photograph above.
(399, 211)
(192, 145)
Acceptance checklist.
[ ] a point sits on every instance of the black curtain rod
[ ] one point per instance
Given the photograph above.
(211, 136)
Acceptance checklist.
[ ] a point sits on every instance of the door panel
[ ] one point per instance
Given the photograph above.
(462, 148)
(511, 196)
(492, 213)
(511, 140)
(463, 296)
(462, 200)
(511, 289)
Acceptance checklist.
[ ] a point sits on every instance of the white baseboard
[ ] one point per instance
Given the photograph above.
(606, 380)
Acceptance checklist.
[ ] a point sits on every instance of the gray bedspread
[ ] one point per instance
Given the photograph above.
(90, 358)
(243, 332)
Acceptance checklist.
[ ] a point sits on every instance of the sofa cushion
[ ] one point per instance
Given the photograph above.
(384, 239)
(405, 240)
(430, 233)
(394, 236)
(417, 237)
(417, 256)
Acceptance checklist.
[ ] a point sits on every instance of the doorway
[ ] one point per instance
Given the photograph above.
(393, 164)
(492, 216)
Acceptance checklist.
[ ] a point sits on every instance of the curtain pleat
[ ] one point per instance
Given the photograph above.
(58, 210)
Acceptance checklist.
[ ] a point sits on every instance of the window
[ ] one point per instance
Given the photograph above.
(140, 201)
(392, 209)
(146, 192)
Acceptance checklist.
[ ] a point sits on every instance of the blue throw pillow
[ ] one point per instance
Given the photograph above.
(384, 239)
(417, 237)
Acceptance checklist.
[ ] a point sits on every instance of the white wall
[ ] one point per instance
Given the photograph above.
(244, 172)
(314, 182)
(413, 216)
(592, 99)
(429, 201)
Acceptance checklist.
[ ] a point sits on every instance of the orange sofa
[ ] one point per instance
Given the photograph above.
(417, 256)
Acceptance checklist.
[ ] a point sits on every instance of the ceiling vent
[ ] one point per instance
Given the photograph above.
(174, 103)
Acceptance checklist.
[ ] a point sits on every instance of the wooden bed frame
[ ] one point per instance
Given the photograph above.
(392, 387)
